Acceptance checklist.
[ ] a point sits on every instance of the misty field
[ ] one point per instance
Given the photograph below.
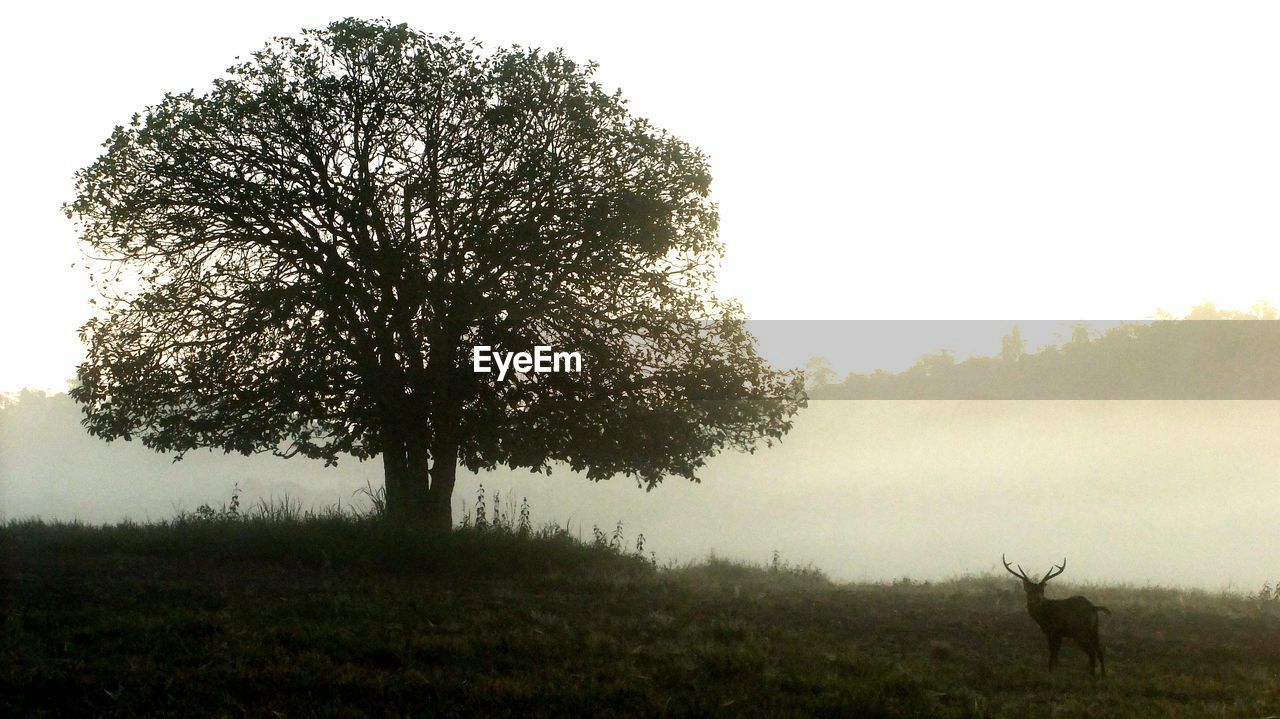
(349, 617)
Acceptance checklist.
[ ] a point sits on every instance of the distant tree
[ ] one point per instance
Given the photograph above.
(1012, 346)
(936, 364)
(311, 249)
(1169, 359)
(1209, 311)
(1261, 310)
(1264, 310)
(818, 373)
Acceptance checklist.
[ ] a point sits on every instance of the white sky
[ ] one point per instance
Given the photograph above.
(885, 160)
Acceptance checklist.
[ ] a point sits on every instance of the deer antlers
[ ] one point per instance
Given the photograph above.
(1021, 574)
(1055, 571)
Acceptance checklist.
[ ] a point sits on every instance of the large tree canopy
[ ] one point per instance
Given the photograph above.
(311, 248)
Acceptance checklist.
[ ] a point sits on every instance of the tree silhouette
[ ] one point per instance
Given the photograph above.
(300, 260)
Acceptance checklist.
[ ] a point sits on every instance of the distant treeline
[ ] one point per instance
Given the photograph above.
(1210, 354)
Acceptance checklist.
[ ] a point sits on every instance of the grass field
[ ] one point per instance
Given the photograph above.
(278, 616)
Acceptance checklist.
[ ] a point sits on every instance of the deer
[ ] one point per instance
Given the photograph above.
(1075, 617)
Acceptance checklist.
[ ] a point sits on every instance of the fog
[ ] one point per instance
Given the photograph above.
(1143, 492)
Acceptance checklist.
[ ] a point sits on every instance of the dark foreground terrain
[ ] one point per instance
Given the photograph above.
(347, 617)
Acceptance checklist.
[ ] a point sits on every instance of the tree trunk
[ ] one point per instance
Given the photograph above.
(395, 476)
(405, 468)
(444, 471)
(444, 429)
(418, 484)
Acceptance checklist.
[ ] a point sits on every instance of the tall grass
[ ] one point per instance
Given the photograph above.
(491, 539)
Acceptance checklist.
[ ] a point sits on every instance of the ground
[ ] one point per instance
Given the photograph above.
(354, 618)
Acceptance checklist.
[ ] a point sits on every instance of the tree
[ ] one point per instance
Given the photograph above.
(1012, 346)
(818, 373)
(311, 249)
(936, 364)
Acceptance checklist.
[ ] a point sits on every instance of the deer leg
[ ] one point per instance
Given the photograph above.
(1088, 646)
(1101, 662)
(1055, 642)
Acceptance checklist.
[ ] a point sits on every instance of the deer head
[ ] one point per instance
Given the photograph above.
(1034, 588)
